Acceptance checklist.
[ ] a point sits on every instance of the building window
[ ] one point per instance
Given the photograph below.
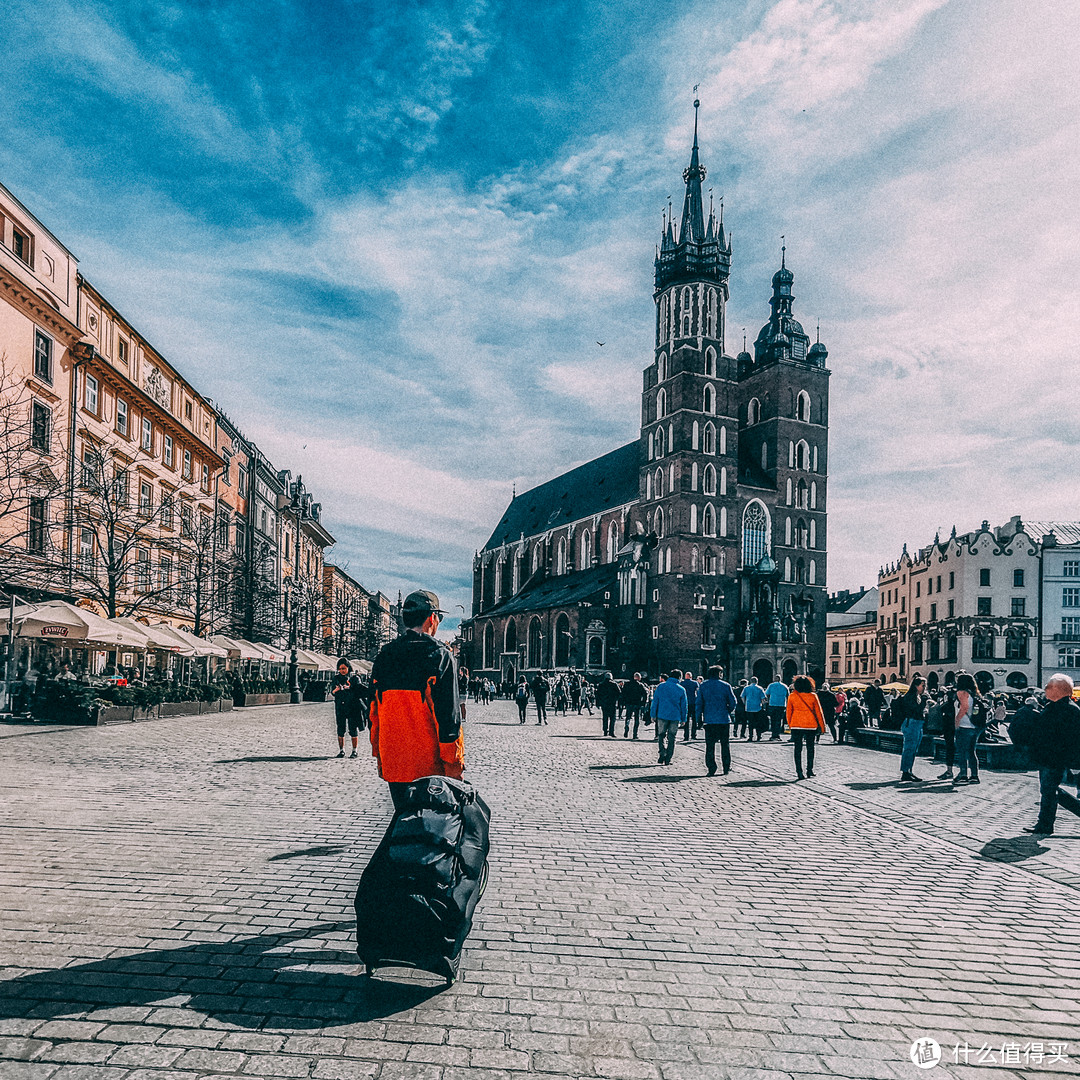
(933, 612)
(90, 399)
(802, 406)
(984, 578)
(147, 441)
(1069, 657)
(36, 534)
(1070, 597)
(205, 477)
(756, 533)
(661, 405)
(42, 356)
(1070, 568)
(983, 605)
(142, 570)
(1016, 647)
(709, 400)
(952, 579)
(122, 416)
(1070, 627)
(982, 647)
(1017, 605)
(165, 574)
(40, 427)
(166, 510)
(187, 465)
(708, 483)
(23, 247)
(952, 608)
(753, 412)
(122, 350)
(122, 487)
(1018, 579)
(167, 451)
(185, 517)
(146, 498)
(708, 443)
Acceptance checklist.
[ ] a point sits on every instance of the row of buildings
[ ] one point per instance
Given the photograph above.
(1001, 603)
(126, 490)
(703, 540)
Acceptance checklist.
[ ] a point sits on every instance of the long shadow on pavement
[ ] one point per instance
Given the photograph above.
(313, 852)
(638, 765)
(659, 778)
(243, 982)
(257, 760)
(1012, 849)
(760, 783)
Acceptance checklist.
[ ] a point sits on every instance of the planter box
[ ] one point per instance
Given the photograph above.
(180, 708)
(112, 714)
(262, 699)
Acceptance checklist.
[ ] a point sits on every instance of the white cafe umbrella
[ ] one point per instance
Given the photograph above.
(57, 620)
(199, 646)
(156, 640)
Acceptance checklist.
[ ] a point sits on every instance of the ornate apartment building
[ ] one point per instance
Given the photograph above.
(704, 539)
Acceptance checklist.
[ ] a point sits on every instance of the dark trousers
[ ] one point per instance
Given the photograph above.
(777, 715)
(522, 706)
(541, 710)
(635, 715)
(608, 714)
(949, 733)
(717, 733)
(397, 794)
(690, 730)
(1049, 782)
(804, 737)
(740, 724)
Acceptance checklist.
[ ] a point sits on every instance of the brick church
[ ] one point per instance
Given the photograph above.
(702, 541)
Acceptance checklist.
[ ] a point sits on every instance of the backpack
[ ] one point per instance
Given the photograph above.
(980, 714)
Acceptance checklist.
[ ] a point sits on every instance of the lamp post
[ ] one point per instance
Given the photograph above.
(294, 685)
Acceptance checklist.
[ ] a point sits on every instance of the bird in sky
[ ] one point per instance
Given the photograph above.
(601, 343)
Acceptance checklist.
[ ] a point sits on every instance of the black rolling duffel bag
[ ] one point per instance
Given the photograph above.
(415, 901)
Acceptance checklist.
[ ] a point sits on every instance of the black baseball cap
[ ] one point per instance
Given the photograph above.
(418, 606)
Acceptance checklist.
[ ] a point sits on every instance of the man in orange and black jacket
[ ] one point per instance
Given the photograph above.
(416, 713)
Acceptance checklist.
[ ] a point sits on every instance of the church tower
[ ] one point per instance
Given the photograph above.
(689, 438)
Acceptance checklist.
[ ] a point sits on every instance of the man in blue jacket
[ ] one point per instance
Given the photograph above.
(753, 696)
(715, 704)
(668, 709)
(690, 685)
(777, 693)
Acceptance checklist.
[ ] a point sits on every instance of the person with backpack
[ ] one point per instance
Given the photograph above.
(971, 717)
(607, 697)
(521, 698)
(540, 687)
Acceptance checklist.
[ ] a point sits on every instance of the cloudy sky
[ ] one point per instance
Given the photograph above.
(387, 236)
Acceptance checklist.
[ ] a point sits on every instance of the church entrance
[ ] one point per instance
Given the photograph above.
(763, 671)
(791, 669)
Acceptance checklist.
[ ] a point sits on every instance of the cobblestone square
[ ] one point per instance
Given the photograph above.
(177, 902)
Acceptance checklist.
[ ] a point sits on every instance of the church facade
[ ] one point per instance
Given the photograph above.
(704, 540)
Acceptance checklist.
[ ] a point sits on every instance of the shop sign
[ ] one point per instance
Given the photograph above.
(54, 631)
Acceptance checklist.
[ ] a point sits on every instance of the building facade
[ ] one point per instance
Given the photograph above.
(976, 602)
(851, 637)
(702, 541)
(1059, 634)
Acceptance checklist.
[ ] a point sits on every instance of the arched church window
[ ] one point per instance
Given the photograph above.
(560, 557)
(693, 476)
(658, 484)
(787, 532)
(658, 522)
(693, 517)
(801, 533)
(723, 524)
(489, 645)
(723, 480)
(791, 454)
(800, 497)
(800, 571)
(612, 542)
(694, 436)
(813, 533)
(708, 520)
(693, 559)
(648, 485)
(723, 438)
(671, 478)
(659, 442)
(661, 403)
(586, 549)
(764, 455)
(510, 637)
(652, 445)
(661, 368)
(753, 411)
(662, 321)
(708, 482)
(813, 572)
(562, 640)
(787, 568)
(802, 455)
(687, 322)
(813, 494)
(667, 561)
(802, 406)
(537, 555)
(708, 445)
(535, 643)
(755, 533)
(708, 562)
(709, 400)
(500, 567)
(815, 468)
(710, 360)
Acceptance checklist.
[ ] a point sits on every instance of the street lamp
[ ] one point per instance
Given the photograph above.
(294, 685)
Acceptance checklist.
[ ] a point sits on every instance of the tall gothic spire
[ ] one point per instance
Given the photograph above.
(693, 215)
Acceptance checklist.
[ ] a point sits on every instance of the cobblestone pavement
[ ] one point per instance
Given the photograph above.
(176, 902)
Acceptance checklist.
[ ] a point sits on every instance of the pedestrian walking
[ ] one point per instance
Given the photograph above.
(807, 722)
(575, 694)
(914, 708)
(668, 709)
(948, 733)
(830, 704)
(740, 711)
(753, 698)
(874, 700)
(1051, 740)
(776, 694)
(607, 697)
(715, 705)
(540, 688)
(562, 696)
(416, 714)
(634, 697)
(521, 698)
(345, 690)
(690, 685)
(971, 718)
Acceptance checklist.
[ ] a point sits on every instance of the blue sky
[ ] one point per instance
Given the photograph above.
(386, 237)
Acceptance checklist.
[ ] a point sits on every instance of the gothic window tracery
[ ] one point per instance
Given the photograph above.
(802, 406)
(708, 483)
(753, 411)
(755, 530)
(708, 520)
(708, 444)
(709, 400)
(710, 361)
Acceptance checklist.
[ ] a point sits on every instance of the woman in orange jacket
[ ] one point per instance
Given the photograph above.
(806, 720)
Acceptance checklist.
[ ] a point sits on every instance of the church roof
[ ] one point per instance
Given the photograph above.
(592, 488)
(563, 591)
